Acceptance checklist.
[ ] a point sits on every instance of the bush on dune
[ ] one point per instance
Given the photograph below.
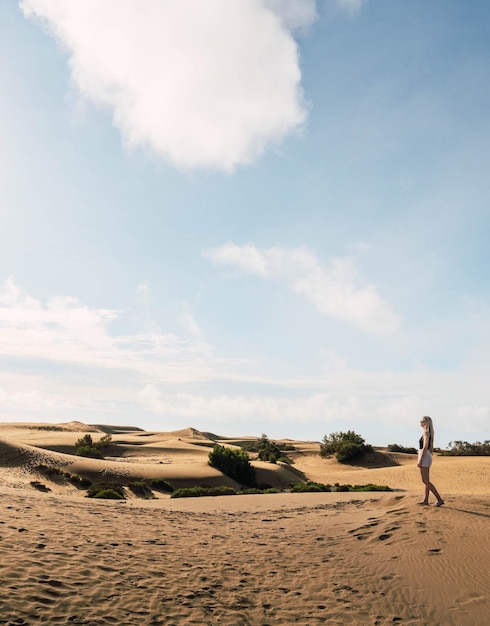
(310, 486)
(346, 447)
(268, 450)
(314, 486)
(233, 463)
(161, 485)
(141, 489)
(107, 489)
(197, 492)
(87, 447)
(109, 494)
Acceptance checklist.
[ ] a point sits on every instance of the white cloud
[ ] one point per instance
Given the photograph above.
(65, 361)
(249, 408)
(352, 6)
(143, 294)
(334, 289)
(297, 15)
(383, 406)
(64, 330)
(190, 325)
(203, 84)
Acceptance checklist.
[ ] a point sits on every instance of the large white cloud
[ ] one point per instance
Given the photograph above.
(335, 289)
(203, 84)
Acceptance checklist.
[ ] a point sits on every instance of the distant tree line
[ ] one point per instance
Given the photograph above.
(464, 448)
(394, 447)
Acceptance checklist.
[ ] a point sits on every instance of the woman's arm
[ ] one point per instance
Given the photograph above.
(426, 443)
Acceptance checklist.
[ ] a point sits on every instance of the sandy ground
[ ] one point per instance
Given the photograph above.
(338, 558)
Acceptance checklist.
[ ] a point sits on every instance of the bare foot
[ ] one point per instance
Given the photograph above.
(423, 503)
(440, 503)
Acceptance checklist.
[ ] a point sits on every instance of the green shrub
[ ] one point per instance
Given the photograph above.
(89, 452)
(79, 481)
(87, 447)
(161, 485)
(96, 488)
(313, 486)
(370, 487)
(233, 463)
(268, 450)
(251, 491)
(197, 492)
(141, 489)
(309, 486)
(283, 459)
(338, 487)
(221, 491)
(109, 494)
(346, 447)
(394, 447)
(272, 490)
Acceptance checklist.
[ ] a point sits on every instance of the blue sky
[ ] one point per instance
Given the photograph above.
(250, 216)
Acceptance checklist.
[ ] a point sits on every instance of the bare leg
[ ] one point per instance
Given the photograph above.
(426, 498)
(424, 472)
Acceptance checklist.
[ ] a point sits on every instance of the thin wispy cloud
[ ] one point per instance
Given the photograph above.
(201, 84)
(62, 330)
(65, 356)
(351, 6)
(335, 288)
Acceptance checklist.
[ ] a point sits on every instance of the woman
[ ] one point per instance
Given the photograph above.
(426, 448)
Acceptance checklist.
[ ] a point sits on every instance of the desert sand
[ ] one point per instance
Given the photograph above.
(286, 558)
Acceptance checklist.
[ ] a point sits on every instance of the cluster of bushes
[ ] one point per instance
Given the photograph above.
(161, 485)
(257, 490)
(79, 481)
(268, 450)
(463, 448)
(106, 490)
(86, 446)
(311, 486)
(196, 492)
(394, 447)
(140, 488)
(346, 447)
(233, 463)
(102, 489)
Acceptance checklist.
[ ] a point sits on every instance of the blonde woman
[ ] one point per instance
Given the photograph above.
(426, 448)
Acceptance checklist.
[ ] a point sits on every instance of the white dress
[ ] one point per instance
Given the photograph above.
(425, 460)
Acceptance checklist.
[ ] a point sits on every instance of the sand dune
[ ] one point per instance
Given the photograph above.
(339, 558)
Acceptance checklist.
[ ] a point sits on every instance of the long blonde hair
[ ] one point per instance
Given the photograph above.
(429, 429)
